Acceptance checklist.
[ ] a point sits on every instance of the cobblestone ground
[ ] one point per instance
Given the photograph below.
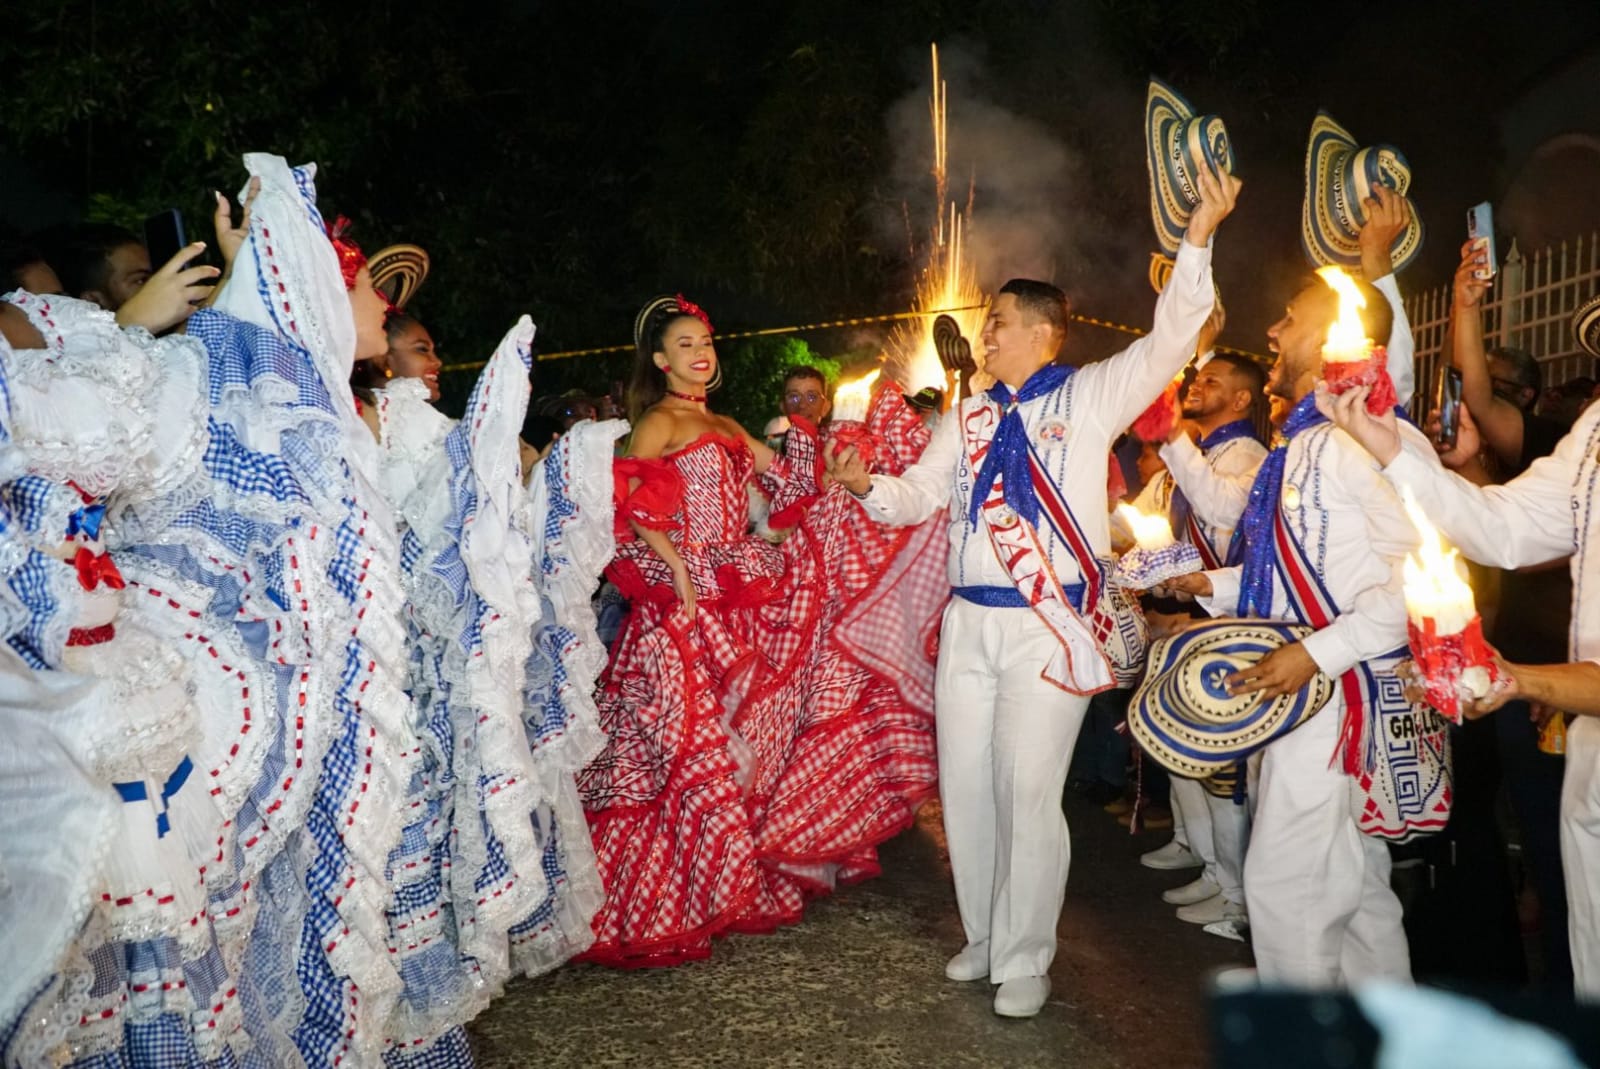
(861, 982)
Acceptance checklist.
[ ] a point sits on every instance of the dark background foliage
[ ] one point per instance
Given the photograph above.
(571, 160)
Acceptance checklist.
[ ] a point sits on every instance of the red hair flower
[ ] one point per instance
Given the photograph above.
(351, 258)
(689, 308)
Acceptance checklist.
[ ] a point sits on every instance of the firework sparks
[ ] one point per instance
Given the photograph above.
(948, 280)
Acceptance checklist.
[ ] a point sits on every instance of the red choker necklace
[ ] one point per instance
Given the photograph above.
(698, 398)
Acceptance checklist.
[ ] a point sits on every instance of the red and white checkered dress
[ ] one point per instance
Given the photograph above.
(700, 715)
(864, 757)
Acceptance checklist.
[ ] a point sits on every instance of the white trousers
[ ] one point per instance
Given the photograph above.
(1580, 853)
(1322, 913)
(1215, 830)
(1005, 741)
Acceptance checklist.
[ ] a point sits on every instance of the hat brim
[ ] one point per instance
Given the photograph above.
(399, 271)
(1330, 216)
(1170, 207)
(1184, 718)
(1586, 325)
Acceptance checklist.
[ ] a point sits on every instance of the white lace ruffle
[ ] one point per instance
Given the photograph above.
(55, 823)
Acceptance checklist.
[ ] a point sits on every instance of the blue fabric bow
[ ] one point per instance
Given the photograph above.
(1252, 539)
(1008, 450)
(86, 521)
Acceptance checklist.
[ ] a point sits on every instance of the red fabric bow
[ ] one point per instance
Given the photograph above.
(96, 568)
(689, 308)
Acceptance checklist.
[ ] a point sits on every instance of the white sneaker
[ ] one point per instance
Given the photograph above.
(971, 964)
(1022, 997)
(1174, 855)
(1196, 890)
(1211, 911)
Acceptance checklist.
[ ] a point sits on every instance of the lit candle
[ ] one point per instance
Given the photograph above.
(1446, 632)
(1435, 584)
(1150, 532)
(852, 399)
(1347, 338)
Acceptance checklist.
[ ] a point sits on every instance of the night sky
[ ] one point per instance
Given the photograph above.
(571, 162)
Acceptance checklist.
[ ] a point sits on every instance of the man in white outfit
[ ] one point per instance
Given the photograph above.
(1214, 476)
(1226, 405)
(1022, 469)
(1548, 512)
(1322, 913)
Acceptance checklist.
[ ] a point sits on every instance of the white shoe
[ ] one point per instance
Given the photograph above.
(1196, 890)
(971, 964)
(1023, 997)
(1174, 855)
(1211, 911)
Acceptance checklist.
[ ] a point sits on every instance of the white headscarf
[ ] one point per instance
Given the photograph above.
(287, 279)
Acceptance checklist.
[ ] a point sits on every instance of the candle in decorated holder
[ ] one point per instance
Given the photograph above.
(852, 399)
(1349, 358)
(1156, 557)
(1445, 631)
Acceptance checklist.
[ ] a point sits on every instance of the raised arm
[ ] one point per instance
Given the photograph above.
(1388, 215)
(1499, 421)
(1124, 385)
(1526, 521)
(1218, 494)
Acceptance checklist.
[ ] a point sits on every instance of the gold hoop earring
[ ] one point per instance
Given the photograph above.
(716, 380)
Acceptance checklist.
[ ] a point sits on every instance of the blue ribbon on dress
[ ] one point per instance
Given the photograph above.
(1252, 539)
(135, 791)
(1008, 449)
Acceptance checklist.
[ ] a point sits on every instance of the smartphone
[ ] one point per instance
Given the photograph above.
(164, 236)
(1480, 224)
(1447, 401)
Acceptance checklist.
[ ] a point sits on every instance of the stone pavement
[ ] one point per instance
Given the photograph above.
(861, 982)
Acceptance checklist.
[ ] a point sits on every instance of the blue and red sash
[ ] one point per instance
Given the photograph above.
(1083, 664)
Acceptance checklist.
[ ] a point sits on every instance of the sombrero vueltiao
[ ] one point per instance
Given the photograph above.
(398, 272)
(1586, 325)
(1340, 177)
(1178, 144)
(1185, 718)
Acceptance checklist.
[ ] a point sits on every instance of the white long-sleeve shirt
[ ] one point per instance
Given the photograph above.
(1402, 347)
(1071, 428)
(1355, 534)
(1544, 514)
(1216, 483)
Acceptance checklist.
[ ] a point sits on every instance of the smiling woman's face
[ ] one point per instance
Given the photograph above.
(687, 355)
(412, 356)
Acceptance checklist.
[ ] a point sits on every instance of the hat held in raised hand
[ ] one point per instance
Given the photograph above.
(1179, 146)
(1341, 177)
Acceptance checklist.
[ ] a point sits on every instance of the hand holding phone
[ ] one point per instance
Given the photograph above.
(1447, 401)
(1480, 226)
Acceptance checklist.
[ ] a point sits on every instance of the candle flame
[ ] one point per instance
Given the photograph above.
(1151, 532)
(1347, 337)
(851, 399)
(1435, 577)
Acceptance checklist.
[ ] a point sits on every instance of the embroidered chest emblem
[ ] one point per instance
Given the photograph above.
(1054, 431)
(1291, 496)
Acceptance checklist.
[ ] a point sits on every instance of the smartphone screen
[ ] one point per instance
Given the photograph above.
(1480, 224)
(1448, 402)
(164, 236)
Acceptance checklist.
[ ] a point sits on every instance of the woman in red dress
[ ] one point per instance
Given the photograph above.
(696, 818)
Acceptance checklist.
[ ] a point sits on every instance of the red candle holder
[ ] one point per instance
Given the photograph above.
(1373, 371)
(1442, 661)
